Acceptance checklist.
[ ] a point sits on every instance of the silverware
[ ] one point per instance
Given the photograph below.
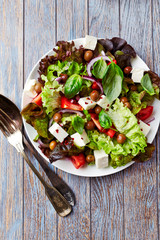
(14, 136)
(13, 112)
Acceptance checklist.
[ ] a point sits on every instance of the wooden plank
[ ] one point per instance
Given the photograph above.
(140, 192)
(11, 75)
(72, 23)
(156, 68)
(106, 192)
(39, 216)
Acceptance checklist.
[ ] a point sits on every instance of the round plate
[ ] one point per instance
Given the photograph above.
(66, 165)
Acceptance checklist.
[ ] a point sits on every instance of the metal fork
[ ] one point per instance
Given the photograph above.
(14, 136)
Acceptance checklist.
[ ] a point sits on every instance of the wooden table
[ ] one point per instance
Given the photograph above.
(122, 206)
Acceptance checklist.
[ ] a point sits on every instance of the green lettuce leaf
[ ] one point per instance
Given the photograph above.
(86, 88)
(51, 99)
(126, 123)
(120, 160)
(36, 117)
(135, 100)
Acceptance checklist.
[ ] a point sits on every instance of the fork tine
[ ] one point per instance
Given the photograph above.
(7, 121)
(4, 130)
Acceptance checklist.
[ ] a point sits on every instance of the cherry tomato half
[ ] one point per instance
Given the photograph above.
(145, 113)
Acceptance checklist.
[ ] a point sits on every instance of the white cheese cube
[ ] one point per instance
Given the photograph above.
(145, 128)
(87, 103)
(137, 62)
(80, 139)
(90, 42)
(137, 74)
(101, 158)
(58, 132)
(29, 88)
(103, 102)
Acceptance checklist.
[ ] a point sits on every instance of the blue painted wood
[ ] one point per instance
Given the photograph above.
(39, 37)
(140, 193)
(11, 83)
(156, 68)
(122, 206)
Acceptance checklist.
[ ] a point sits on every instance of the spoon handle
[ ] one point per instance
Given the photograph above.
(60, 204)
(56, 181)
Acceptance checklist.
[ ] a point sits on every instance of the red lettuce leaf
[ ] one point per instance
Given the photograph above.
(143, 157)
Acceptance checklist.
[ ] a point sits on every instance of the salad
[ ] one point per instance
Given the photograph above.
(92, 104)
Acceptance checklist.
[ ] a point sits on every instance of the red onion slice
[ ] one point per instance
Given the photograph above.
(58, 79)
(149, 120)
(71, 111)
(90, 64)
(44, 145)
(94, 80)
(50, 122)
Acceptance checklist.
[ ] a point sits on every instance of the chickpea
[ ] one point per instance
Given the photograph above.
(121, 138)
(94, 95)
(128, 105)
(90, 125)
(57, 117)
(90, 158)
(133, 88)
(38, 87)
(127, 70)
(64, 77)
(98, 109)
(88, 55)
(52, 145)
(123, 99)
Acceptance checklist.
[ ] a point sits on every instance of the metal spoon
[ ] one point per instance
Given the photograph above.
(62, 207)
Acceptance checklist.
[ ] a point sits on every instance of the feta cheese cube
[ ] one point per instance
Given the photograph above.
(101, 158)
(145, 128)
(137, 74)
(103, 102)
(137, 62)
(90, 42)
(87, 103)
(29, 88)
(58, 132)
(80, 139)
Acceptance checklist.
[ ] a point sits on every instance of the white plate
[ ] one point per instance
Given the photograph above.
(66, 165)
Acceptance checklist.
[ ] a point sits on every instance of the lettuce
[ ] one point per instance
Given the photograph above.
(126, 123)
(51, 99)
(36, 117)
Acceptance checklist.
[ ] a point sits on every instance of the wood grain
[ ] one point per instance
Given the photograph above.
(122, 206)
(156, 61)
(140, 195)
(106, 192)
(39, 37)
(77, 225)
(11, 83)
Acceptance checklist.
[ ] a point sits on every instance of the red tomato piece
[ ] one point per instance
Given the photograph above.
(67, 103)
(95, 119)
(113, 61)
(78, 161)
(95, 86)
(145, 113)
(109, 132)
(38, 100)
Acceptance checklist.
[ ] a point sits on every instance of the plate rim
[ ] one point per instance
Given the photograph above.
(114, 170)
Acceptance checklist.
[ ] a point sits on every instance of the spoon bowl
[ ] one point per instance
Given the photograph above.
(11, 110)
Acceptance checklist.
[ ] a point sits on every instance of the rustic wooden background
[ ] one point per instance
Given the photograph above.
(122, 206)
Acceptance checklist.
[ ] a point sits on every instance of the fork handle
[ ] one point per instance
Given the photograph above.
(60, 204)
